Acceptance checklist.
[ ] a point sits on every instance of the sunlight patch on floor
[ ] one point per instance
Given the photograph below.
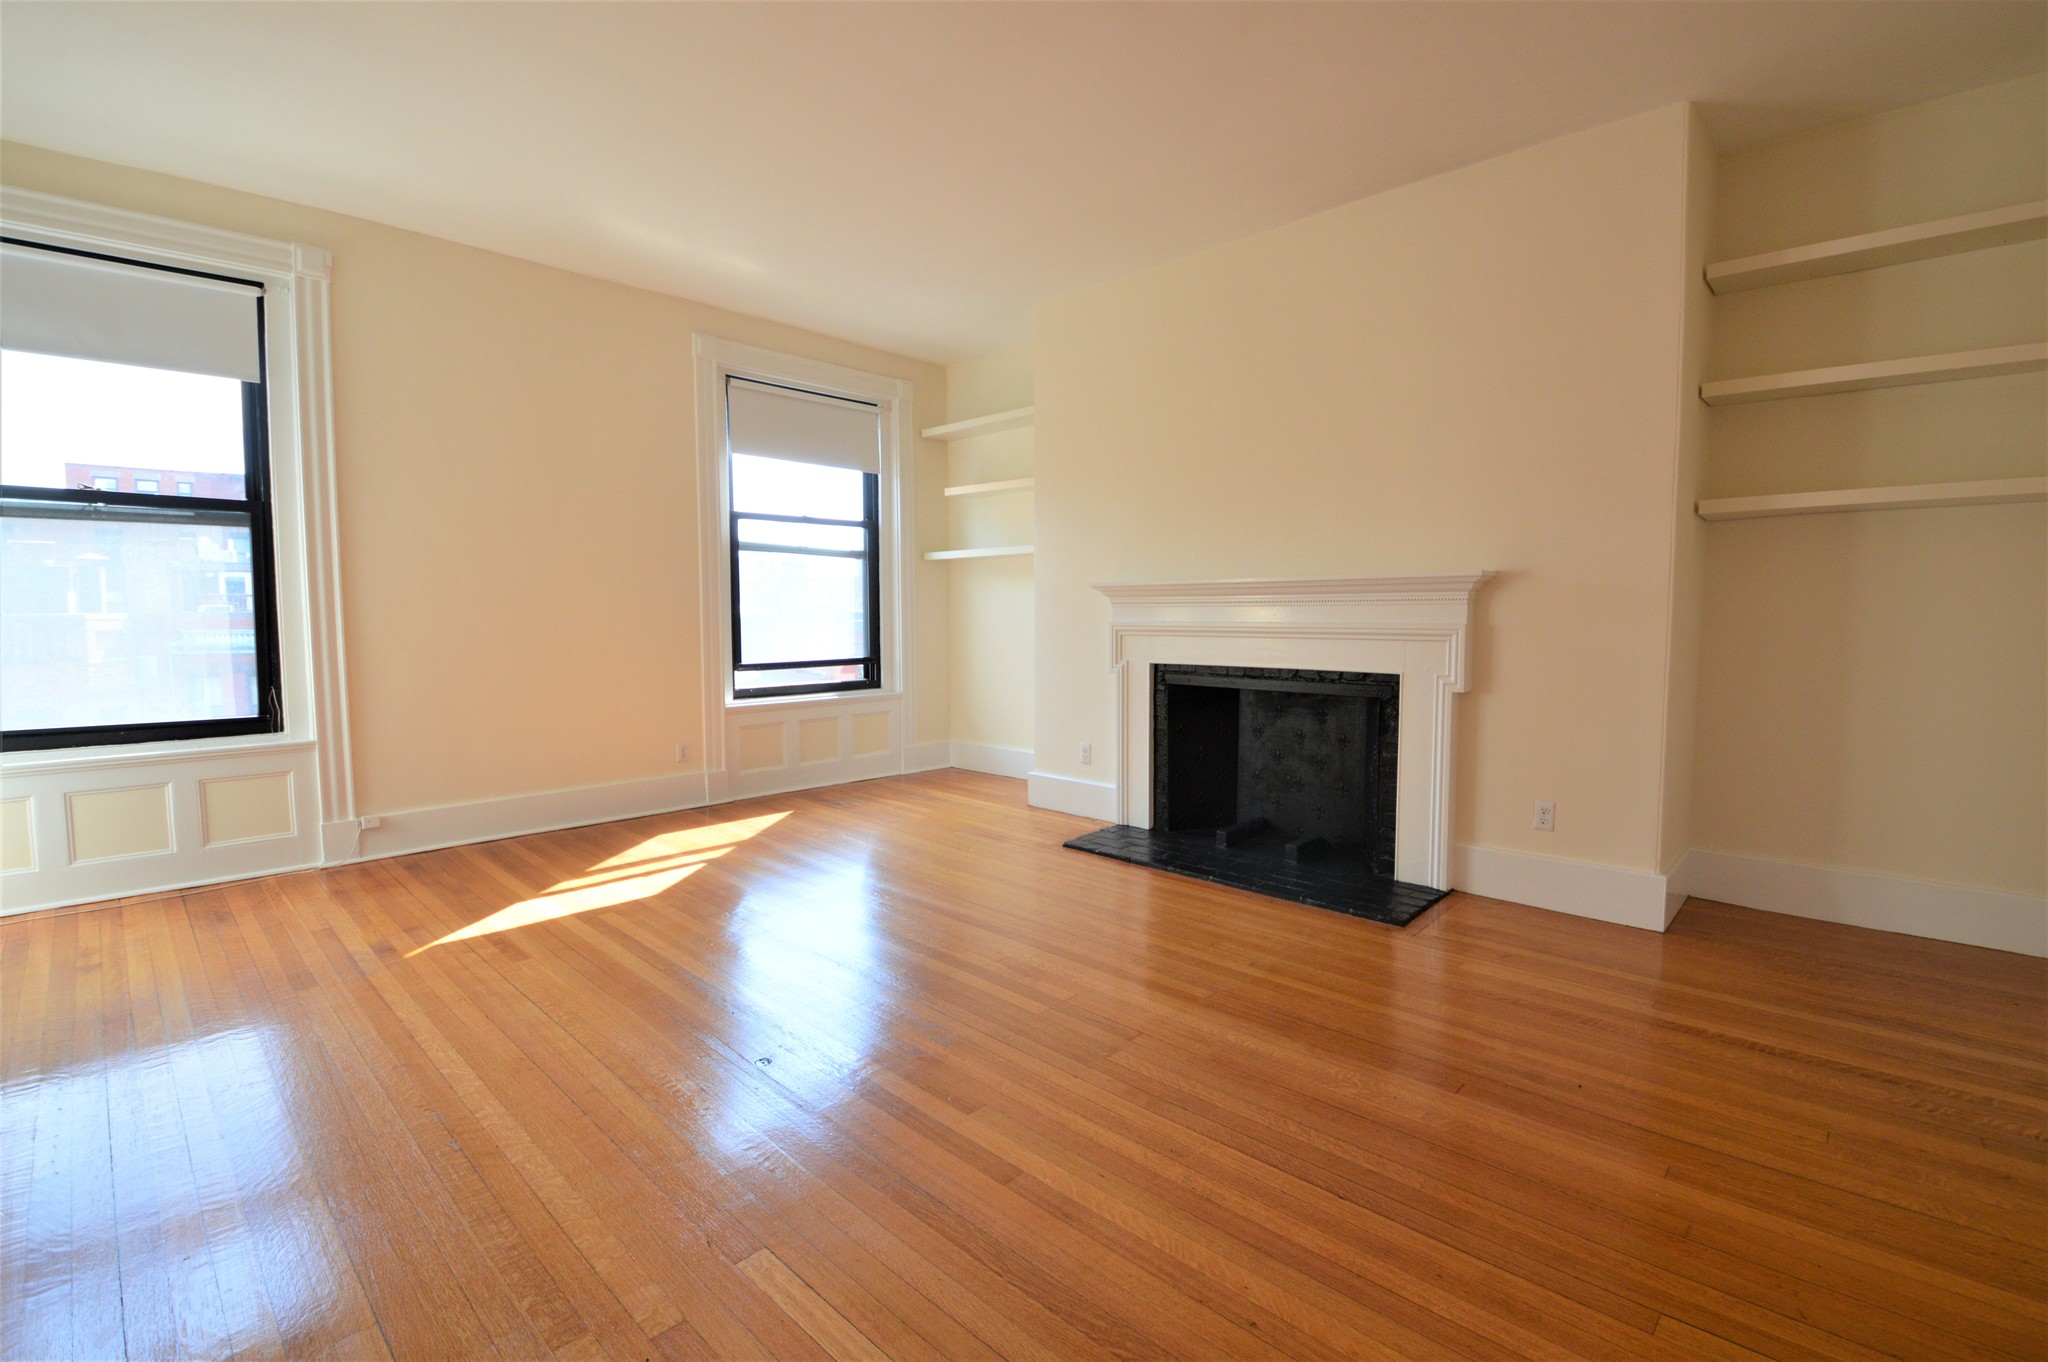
(653, 867)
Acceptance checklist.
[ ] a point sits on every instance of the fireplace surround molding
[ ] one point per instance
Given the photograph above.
(1415, 627)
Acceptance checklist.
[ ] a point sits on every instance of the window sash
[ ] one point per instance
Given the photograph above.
(761, 546)
(254, 510)
(871, 662)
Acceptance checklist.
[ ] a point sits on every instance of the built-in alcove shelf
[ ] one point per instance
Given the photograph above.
(1006, 551)
(1014, 419)
(1017, 418)
(988, 489)
(1985, 492)
(1872, 250)
(1884, 373)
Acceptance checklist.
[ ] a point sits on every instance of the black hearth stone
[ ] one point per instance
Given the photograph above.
(1339, 879)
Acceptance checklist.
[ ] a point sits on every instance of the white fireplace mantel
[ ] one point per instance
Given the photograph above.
(1414, 627)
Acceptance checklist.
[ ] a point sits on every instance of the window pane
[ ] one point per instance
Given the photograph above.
(845, 538)
(784, 487)
(80, 423)
(106, 622)
(783, 677)
(799, 607)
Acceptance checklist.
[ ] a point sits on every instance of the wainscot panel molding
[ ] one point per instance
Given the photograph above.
(1855, 898)
(773, 746)
(63, 869)
(1606, 893)
(1415, 627)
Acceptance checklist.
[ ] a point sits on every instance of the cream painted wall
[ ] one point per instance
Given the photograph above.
(1689, 541)
(1474, 371)
(1874, 687)
(992, 598)
(518, 500)
(998, 382)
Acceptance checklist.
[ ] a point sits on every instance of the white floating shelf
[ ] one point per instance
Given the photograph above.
(1007, 551)
(1989, 492)
(986, 489)
(1885, 373)
(1894, 246)
(1015, 419)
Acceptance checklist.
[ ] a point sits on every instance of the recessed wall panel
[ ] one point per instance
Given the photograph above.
(244, 808)
(761, 747)
(817, 740)
(109, 823)
(17, 836)
(870, 734)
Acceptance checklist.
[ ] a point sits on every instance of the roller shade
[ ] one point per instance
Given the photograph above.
(781, 423)
(57, 304)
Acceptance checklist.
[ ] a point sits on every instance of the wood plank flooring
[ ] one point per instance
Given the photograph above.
(883, 1072)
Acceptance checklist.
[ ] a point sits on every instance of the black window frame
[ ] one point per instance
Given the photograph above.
(870, 522)
(170, 508)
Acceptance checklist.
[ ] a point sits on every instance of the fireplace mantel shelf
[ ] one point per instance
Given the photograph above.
(1244, 590)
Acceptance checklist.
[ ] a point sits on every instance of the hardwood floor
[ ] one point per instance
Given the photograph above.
(882, 1071)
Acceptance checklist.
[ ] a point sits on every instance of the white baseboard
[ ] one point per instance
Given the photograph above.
(1888, 903)
(781, 780)
(1633, 898)
(927, 756)
(401, 834)
(339, 842)
(1063, 794)
(1014, 762)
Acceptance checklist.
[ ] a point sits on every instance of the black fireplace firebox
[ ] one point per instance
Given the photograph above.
(1280, 782)
(1308, 756)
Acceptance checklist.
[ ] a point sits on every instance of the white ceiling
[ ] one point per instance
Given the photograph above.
(916, 176)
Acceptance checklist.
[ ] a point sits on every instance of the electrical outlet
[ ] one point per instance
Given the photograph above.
(1546, 816)
(1087, 753)
(682, 751)
(373, 821)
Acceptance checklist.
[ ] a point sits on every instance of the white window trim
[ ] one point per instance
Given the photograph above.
(299, 385)
(716, 360)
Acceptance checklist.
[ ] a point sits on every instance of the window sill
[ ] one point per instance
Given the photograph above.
(837, 697)
(146, 754)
